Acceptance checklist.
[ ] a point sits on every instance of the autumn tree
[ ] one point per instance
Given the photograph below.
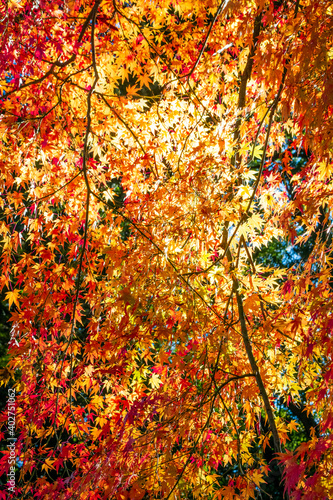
(148, 168)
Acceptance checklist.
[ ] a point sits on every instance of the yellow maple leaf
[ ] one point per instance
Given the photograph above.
(48, 464)
(155, 381)
(13, 296)
(144, 80)
(133, 90)
(257, 478)
(293, 425)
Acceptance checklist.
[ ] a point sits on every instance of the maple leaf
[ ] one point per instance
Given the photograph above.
(13, 297)
(48, 464)
(155, 381)
(132, 90)
(145, 80)
(257, 478)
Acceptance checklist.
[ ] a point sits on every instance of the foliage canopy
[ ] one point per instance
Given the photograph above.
(153, 155)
